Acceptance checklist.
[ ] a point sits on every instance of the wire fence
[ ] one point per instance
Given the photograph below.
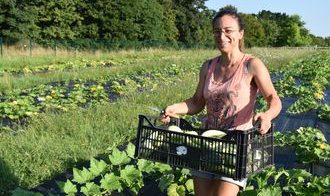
(56, 47)
(34, 47)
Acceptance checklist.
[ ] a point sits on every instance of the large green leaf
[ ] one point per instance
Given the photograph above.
(146, 166)
(190, 186)
(111, 182)
(270, 191)
(119, 157)
(97, 167)
(82, 176)
(165, 181)
(91, 189)
(130, 150)
(130, 174)
(67, 187)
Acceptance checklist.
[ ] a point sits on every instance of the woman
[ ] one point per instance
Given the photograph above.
(228, 86)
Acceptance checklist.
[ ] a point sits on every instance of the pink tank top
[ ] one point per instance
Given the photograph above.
(230, 104)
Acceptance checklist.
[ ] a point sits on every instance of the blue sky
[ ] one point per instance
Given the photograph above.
(312, 12)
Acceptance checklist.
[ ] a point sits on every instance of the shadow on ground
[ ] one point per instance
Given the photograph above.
(8, 181)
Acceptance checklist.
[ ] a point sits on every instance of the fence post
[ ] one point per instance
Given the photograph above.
(1, 51)
(55, 48)
(30, 46)
(76, 52)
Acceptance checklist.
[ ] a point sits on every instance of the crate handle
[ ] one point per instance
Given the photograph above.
(257, 124)
(142, 118)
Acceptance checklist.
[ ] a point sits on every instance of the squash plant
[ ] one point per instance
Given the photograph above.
(121, 173)
(324, 112)
(60, 66)
(278, 182)
(310, 144)
(305, 79)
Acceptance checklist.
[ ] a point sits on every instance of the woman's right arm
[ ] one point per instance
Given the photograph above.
(193, 105)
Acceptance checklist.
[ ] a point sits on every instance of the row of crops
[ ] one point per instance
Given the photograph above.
(20, 104)
(28, 162)
(306, 79)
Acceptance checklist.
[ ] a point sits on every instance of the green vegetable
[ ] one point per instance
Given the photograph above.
(192, 132)
(175, 138)
(174, 128)
(214, 134)
(155, 140)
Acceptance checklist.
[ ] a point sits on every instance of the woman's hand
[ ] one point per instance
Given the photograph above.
(168, 113)
(265, 122)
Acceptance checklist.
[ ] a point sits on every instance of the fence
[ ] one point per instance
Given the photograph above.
(33, 47)
(9, 48)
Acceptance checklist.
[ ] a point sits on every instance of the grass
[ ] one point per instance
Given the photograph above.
(126, 60)
(54, 142)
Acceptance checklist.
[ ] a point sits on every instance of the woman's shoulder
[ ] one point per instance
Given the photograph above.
(212, 59)
(206, 67)
(254, 64)
(207, 64)
(253, 60)
(250, 57)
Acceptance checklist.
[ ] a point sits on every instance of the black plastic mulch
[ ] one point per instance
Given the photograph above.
(289, 122)
(284, 156)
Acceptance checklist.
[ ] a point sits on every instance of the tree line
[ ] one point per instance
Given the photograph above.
(186, 22)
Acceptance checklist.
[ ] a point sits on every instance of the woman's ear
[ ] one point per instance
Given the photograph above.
(241, 32)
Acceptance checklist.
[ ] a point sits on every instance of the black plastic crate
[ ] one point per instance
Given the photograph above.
(237, 155)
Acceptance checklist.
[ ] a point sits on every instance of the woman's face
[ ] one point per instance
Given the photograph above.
(227, 33)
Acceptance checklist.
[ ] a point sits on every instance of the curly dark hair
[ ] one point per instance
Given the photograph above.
(231, 12)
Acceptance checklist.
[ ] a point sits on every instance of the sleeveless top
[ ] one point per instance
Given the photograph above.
(230, 104)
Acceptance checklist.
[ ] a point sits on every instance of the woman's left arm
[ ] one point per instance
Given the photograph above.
(262, 78)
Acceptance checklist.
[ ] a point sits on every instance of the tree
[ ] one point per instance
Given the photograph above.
(91, 13)
(168, 18)
(151, 23)
(288, 31)
(57, 19)
(16, 21)
(296, 34)
(272, 31)
(254, 31)
(318, 41)
(193, 21)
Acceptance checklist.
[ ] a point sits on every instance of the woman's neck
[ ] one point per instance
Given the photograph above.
(231, 59)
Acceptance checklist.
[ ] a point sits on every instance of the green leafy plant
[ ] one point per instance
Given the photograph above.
(102, 177)
(279, 182)
(324, 112)
(176, 182)
(305, 79)
(310, 144)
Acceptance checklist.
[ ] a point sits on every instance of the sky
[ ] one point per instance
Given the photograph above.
(312, 12)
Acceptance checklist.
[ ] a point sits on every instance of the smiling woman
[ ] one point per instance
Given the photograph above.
(228, 86)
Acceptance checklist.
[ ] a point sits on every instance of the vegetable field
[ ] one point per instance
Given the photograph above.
(74, 120)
